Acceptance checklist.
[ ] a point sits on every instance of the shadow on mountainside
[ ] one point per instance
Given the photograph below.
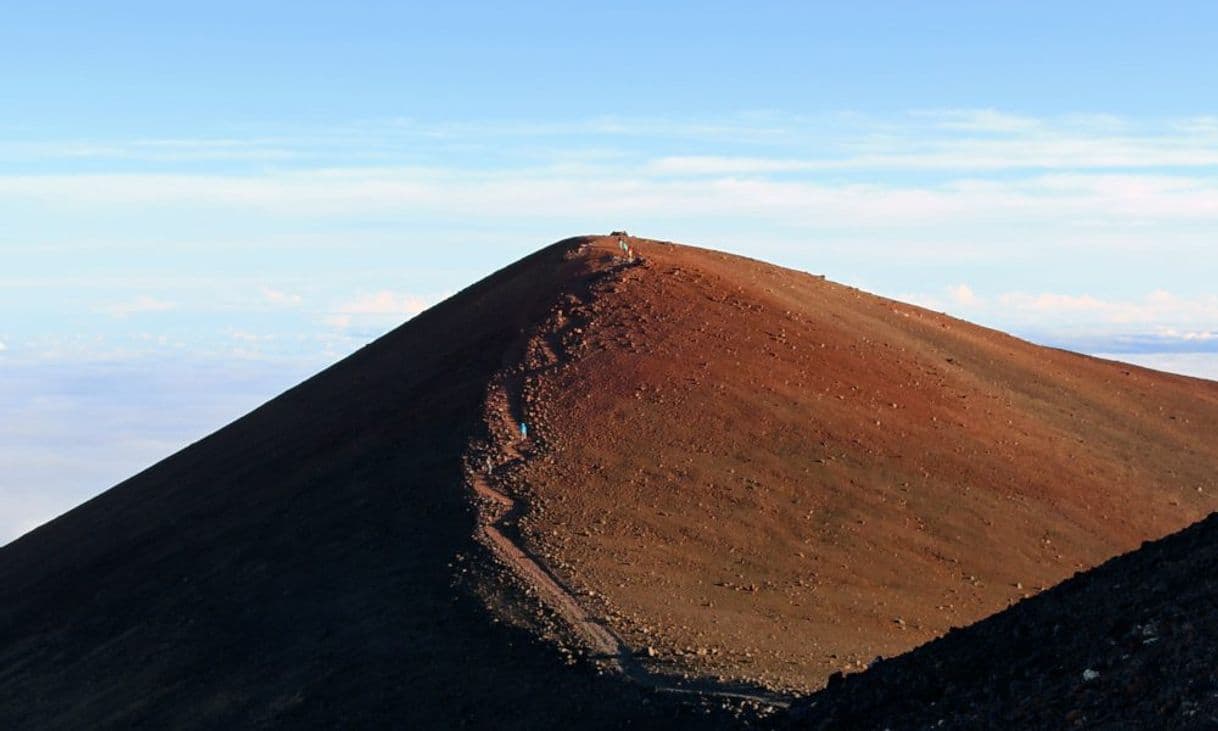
(1130, 644)
(296, 567)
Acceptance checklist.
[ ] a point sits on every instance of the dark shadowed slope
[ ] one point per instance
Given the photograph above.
(295, 568)
(1131, 644)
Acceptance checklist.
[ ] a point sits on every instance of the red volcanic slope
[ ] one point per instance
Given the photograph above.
(766, 476)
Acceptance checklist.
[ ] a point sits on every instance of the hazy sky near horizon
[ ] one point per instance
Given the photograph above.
(202, 206)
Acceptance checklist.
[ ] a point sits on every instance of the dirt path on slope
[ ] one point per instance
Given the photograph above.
(504, 412)
(599, 639)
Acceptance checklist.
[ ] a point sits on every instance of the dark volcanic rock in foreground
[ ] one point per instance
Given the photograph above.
(1131, 644)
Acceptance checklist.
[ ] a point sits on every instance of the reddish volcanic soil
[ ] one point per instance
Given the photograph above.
(737, 480)
(764, 476)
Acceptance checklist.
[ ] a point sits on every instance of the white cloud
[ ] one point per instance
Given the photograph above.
(959, 298)
(1073, 171)
(968, 155)
(140, 304)
(151, 150)
(385, 302)
(723, 165)
(980, 120)
(970, 141)
(750, 127)
(1156, 308)
(279, 297)
(1158, 321)
(1068, 199)
(1198, 365)
(1202, 336)
(1206, 125)
(376, 309)
(3, 347)
(963, 295)
(248, 337)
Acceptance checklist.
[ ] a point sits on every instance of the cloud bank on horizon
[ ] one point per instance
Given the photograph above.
(216, 201)
(1095, 228)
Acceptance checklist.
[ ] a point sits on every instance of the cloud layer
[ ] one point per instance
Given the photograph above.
(1041, 224)
(135, 306)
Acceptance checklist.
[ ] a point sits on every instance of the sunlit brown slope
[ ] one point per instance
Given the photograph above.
(757, 473)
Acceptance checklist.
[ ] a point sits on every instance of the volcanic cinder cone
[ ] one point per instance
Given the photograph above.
(588, 489)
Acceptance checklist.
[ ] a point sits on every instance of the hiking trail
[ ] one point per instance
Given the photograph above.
(504, 413)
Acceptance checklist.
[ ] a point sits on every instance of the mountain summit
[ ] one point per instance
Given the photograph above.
(619, 480)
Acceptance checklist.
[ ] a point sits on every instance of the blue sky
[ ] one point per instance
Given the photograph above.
(200, 207)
